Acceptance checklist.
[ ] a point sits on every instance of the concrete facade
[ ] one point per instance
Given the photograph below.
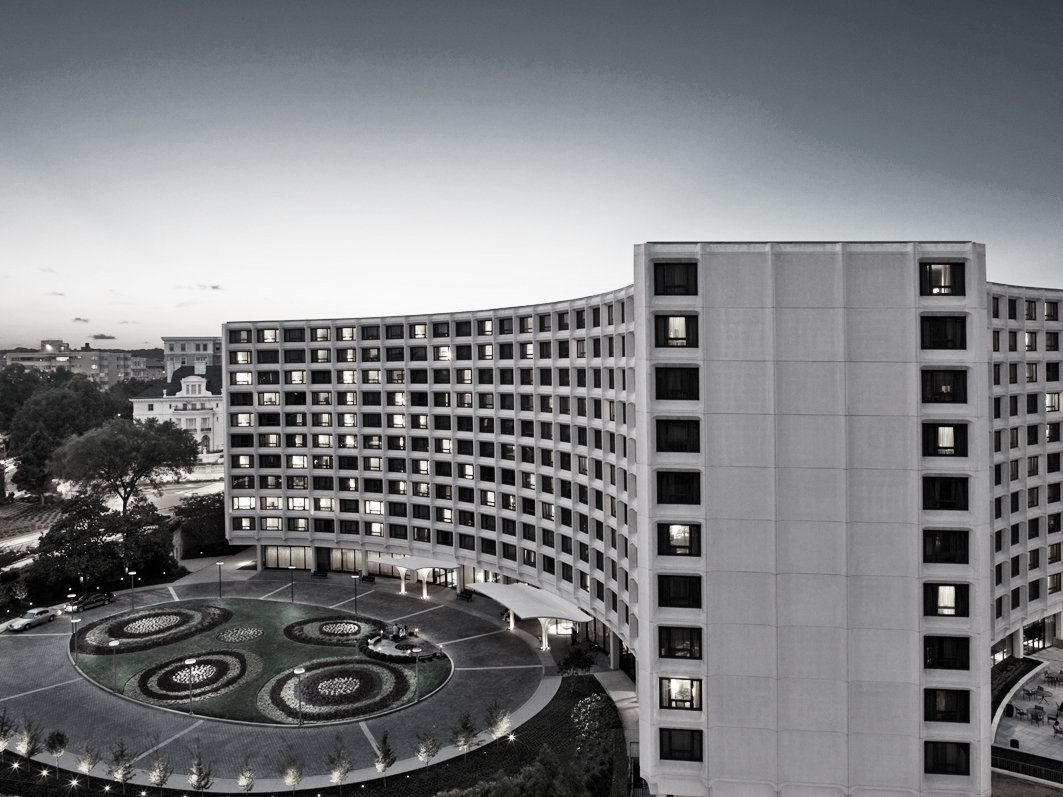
(767, 470)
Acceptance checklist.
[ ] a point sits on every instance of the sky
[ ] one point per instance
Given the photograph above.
(166, 167)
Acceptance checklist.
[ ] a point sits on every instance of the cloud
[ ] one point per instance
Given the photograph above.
(101, 336)
(57, 293)
(200, 287)
(80, 320)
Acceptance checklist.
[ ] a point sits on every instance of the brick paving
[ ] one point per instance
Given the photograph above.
(39, 681)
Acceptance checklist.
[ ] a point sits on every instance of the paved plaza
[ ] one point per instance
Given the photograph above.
(491, 663)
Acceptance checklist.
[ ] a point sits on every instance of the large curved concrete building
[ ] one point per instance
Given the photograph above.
(807, 491)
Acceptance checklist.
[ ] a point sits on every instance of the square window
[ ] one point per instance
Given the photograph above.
(675, 279)
(679, 539)
(682, 592)
(680, 693)
(941, 279)
(677, 642)
(681, 744)
(945, 600)
(676, 331)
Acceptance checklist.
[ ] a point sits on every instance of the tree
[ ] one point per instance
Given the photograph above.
(245, 778)
(17, 384)
(291, 769)
(464, 734)
(19, 591)
(427, 747)
(82, 546)
(121, 456)
(496, 720)
(200, 775)
(339, 763)
(200, 519)
(159, 768)
(120, 766)
(44, 421)
(55, 745)
(578, 661)
(385, 757)
(88, 759)
(28, 741)
(7, 729)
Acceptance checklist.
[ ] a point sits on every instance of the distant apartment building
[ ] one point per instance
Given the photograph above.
(181, 351)
(105, 368)
(809, 492)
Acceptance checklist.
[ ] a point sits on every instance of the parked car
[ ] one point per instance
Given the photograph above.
(88, 601)
(31, 618)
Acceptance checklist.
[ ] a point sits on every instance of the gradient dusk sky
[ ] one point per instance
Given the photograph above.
(169, 166)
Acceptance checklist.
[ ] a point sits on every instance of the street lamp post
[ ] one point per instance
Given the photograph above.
(113, 645)
(416, 674)
(299, 690)
(291, 572)
(74, 636)
(132, 594)
(356, 580)
(190, 663)
(219, 578)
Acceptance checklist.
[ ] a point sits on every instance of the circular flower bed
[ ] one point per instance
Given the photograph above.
(336, 630)
(174, 682)
(151, 628)
(332, 690)
(239, 634)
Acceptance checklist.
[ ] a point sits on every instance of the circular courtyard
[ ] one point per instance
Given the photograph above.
(259, 662)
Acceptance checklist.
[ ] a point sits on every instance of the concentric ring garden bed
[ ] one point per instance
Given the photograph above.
(245, 656)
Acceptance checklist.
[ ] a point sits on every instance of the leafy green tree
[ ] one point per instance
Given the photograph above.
(63, 407)
(55, 745)
(33, 474)
(17, 384)
(200, 519)
(79, 550)
(122, 456)
(119, 394)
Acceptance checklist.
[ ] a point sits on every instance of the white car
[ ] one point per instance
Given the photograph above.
(31, 618)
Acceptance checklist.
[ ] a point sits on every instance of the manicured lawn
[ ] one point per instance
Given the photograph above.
(246, 652)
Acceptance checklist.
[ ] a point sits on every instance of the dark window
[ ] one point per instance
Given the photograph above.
(678, 487)
(946, 705)
(679, 539)
(946, 653)
(945, 546)
(944, 332)
(675, 279)
(680, 744)
(678, 435)
(944, 440)
(941, 279)
(945, 600)
(677, 383)
(676, 331)
(681, 592)
(679, 643)
(947, 758)
(294, 335)
(945, 387)
(945, 492)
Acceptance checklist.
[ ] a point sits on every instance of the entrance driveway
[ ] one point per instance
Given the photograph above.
(38, 681)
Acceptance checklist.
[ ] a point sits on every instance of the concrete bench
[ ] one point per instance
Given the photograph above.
(465, 595)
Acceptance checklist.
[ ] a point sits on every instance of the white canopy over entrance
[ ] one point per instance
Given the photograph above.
(421, 565)
(526, 601)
